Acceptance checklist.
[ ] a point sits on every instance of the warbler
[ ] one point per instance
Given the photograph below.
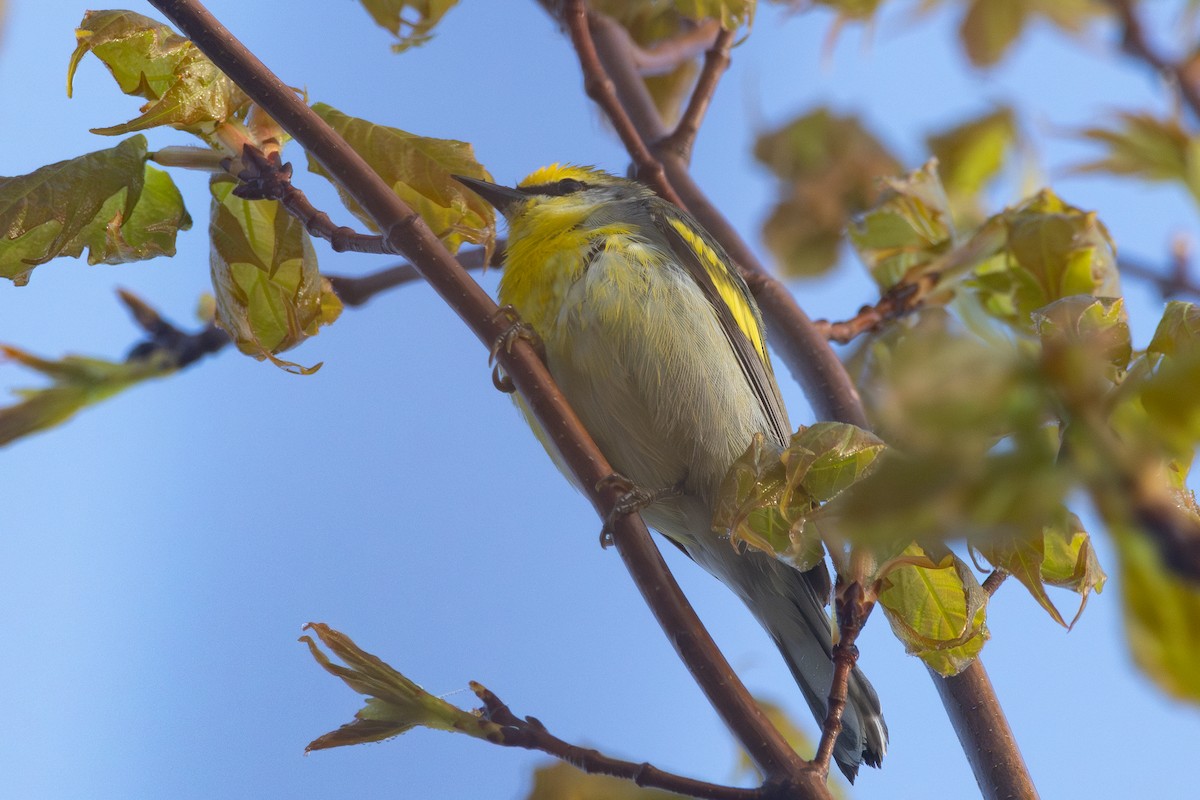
(657, 344)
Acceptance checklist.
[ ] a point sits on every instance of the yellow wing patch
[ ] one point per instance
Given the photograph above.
(730, 293)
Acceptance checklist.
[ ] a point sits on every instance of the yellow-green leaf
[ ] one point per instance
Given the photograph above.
(830, 167)
(937, 609)
(110, 202)
(77, 382)
(410, 21)
(1162, 617)
(182, 87)
(1147, 147)
(395, 703)
(270, 296)
(909, 226)
(969, 156)
(419, 170)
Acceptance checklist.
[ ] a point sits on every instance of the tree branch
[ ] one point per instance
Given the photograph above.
(355, 291)
(663, 56)
(530, 734)
(1135, 44)
(853, 608)
(986, 737)
(408, 234)
(164, 339)
(716, 61)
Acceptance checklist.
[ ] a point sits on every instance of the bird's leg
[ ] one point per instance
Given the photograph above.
(517, 329)
(633, 499)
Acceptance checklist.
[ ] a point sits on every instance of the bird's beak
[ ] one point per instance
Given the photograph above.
(502, 197)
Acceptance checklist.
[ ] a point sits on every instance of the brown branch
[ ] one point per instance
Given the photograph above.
(1175, 280)
(409, 235)
(600, 88)
(853, 608)
(994, 580)
(901, 300)
(530, 734)
(1135, 43)
(716, 61)
(357, 290)
(665, 55)
(264, 176)
(986, 737)
(165, 340)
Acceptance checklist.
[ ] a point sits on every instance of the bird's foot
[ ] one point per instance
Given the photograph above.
(517, 329)
(633, 499)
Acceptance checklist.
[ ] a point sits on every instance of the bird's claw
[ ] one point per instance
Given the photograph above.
(633, 499)
(517, 329)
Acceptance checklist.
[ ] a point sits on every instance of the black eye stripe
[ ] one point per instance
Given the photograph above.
(556, 189)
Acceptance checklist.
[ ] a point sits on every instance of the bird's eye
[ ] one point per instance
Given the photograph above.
(570, 185)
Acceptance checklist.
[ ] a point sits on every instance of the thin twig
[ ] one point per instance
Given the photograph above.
(716, 61)
(404, 230)
(1136, 44)
(853, 608)
(665, 55)
(264, 176)
(530, 734)
(600, 88)
(993, 581)
(163, 339)
(357, 290)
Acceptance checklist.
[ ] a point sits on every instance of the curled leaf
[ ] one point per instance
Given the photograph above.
(110, 202)
(270, 296)
(419, 170)
(182, 87)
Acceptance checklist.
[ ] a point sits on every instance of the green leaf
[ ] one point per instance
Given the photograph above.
(270, 296)
(418, 169)
(77, 382)
(909, 226)
(937, 609)
(182, 87)
(991, 26)
(1178, 332)
(1098, 326)
(1069, 560)
(847, 9)
(1143, 146)
(110, 202)
(830, 167)
(1053, 250)
(748, 507)
(732, 13)
(829, 457)
(395, 703)
(969, 156)
(410, 21)
(1162, 617)
(1166, 388)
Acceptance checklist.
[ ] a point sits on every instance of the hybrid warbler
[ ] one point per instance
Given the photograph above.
(654, 338)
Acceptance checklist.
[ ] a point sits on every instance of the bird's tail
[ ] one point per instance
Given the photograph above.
(791, 606)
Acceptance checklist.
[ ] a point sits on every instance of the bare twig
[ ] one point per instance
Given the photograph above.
(600, 88)
(531, 734)
(900, 300)
(1175, 280)
(165, 340)
(716, 61)
(663, 56)
(357, 290)
(994, 580)
(853, 608)
(407, 233)
(264, 176)
(1136, 44)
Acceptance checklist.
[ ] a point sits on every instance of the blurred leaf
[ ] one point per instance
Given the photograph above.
(270, 296)
(77, 382)
(732, 13)
(937, 609)
(1162, 617)
(418, 170)
(1097, 325)
(1053, 250)
(848, 9)
(908, 226)
(560, 781)
(969, 156)
(110, 202)
(410, 21)
(1145, 147)
(395, 704)
(182, 87)
(1178, 331)
(990, 27)
(830, 167)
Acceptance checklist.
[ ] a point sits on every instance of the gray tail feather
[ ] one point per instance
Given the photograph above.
(791, 605)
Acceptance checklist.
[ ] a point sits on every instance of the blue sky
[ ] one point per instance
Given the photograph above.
(160, 552)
